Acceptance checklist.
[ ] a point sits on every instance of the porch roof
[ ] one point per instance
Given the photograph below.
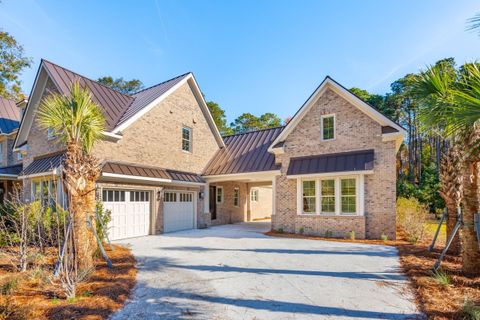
(44, 164)
(11, 170)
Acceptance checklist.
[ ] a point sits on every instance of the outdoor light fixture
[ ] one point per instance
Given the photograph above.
(200, 195)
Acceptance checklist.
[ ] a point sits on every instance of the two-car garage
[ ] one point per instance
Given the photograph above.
(131, 211)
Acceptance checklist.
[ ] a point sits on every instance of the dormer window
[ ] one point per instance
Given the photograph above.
(328, 127)
(187, 139)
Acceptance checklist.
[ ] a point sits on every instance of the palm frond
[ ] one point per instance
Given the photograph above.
(74, 118)
(473, 24)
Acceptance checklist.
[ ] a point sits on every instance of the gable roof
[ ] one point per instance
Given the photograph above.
(347, 95)
(245, 152)
(119, 109)
(9, 116)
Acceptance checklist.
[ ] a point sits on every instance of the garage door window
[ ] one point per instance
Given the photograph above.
(139, 196)
(170, 197)
(113, 196)
(185, 197)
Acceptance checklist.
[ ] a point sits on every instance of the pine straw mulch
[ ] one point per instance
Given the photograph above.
(439, 302)
(33, 295)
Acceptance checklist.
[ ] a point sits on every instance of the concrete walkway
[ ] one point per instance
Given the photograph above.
(236, 272)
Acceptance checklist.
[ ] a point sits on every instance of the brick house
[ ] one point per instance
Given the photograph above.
(166, 168)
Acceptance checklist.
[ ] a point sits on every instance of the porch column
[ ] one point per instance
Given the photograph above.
(206, 198)
(274, 195)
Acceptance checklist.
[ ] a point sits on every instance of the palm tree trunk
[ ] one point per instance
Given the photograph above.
(451, 222)
(471, 206)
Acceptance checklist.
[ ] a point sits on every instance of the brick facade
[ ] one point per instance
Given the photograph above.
(354, 131)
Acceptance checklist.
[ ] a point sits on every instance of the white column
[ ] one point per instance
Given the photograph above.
(206, 198)
(299, 197)
(361, 195)
(338, 202)
(274, 195)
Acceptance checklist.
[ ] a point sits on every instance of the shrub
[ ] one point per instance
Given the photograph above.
(441, 277)
(280, 230)
(302, 230)
(103, 218)
(328, 234)
(384, 237)
(351, 235)
(471, 310)
(411, 217)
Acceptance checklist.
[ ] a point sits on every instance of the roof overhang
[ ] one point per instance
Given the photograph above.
(244, 177)
(4, 176)
(107, 176)
(54, 172)
(329, 83)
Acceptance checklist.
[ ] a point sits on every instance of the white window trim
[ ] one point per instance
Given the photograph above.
(359, 196)
(190, 144)
(252, 191)
(334, 126)
(222, 195)
(236, 191)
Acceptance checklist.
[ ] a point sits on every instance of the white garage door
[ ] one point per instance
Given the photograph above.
(130, 213)
(178, 213)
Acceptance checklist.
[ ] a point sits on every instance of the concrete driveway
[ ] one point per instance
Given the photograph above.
(236, 272)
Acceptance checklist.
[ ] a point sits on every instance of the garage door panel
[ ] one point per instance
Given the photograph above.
(130, 215)
(178, 211)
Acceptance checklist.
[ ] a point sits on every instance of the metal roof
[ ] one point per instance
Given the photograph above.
(144, 97)
(11, 170)
(334, 162)
(9, 115)
(113, 103)
(388, 129)
(150, 172)
(44, 164)
(245, 152)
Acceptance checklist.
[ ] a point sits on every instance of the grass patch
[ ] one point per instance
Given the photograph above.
(471, 310)
(441, 277)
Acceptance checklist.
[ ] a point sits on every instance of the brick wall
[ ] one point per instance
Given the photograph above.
(226, 211)
(354, 131)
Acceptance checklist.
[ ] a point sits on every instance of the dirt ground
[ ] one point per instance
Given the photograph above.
(32, 295)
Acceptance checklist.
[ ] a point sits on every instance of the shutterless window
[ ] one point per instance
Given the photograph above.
(187, 139)
(328, 196)
(309, 198)
(236, 196)
(254, 195)
(328, 127)
(219, 194)
(349, 196)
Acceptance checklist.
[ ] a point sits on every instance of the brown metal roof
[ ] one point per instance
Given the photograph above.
(11, 170)
(245, 152)
(150, 172)
(113, 103)
(9, 115)
(388, 129)
(334, 162)
(44, 164)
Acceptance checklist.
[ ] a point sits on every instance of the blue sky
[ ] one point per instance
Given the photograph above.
(249, 56)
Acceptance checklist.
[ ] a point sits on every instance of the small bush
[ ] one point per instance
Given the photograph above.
(351, 235)
(301, 230)
(280, 230)
(471, 310)
(384, 237)
(328, 234)
(8, 285)
(411, 217)
(103, 218)
(441, 277)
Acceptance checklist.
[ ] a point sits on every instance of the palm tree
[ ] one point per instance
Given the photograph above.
(451, 103)
(78, 123)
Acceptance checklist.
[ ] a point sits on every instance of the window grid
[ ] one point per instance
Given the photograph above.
(348, 196)
(309, 196)
(328, 196)
(219, 195)
(186, 139)
(328, 128)
(236, 196)
(254, 195)
(170, 197)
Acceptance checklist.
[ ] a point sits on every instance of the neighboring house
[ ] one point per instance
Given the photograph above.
(165, 166)
(10, 163)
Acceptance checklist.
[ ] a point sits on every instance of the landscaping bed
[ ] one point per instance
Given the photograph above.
(445, 295)
(33, 295)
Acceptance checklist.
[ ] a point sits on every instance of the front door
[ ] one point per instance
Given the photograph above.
(213, 202)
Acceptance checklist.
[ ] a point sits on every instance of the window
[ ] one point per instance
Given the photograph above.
(254, 195)
(309, 198)
(47, 192)
(349, 196)
(186, 197)
(236, 196)
(187, 139)
(170, 197)
(328, 196)
(50, 134)
(219, 194)
(328, 127)
(113, 195)
(139, 196)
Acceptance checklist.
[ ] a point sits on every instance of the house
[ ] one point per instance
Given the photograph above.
(165, 167)
(10, 163)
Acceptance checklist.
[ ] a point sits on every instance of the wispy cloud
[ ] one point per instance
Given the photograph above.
(162, 23)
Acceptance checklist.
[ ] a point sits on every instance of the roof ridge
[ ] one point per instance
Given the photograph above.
(89, 79)
(253, 131)
(159, 84)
